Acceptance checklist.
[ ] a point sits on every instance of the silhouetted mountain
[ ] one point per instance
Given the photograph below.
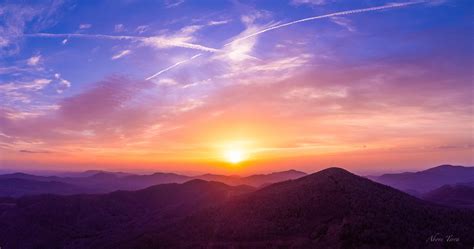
(254, 180)
(141, 181)
(96, 181)
(15, 187)
(329, 209)
(103, 221)
(459, 195)
(95, 172)
(24, 176)
(427, 180)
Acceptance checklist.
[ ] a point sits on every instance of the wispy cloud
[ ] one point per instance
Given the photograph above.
(172, 66)
(121, 54)
(63, 83)
(215, 23)
(12, 69)
(24, 90)
(35, 151)
(85, 26)
(343, 22)
(162, 41)
(119, 27)
(34, 60)
(141, 29)
(14, 19)
(173, 3)
(341, 13)
(238, 48)
(309, 2)
(34, 85)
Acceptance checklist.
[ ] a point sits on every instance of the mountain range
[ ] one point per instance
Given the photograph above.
(332, 208)
(21, 184)
(418, 183)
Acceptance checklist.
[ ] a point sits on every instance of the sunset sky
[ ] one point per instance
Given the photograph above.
(228, 87)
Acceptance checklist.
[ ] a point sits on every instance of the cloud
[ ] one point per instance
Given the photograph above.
(63, 83)
(14, 19)
(173, 3)
(85, 26)
(34, 151)
(34, 85)
(305, 93)
(34, 60)
(309, 2)
(12, 69)
(183, 38)
(26, 89)
(232, 52)
(161, 41)
(215, 23)
(344, 22)
(190, 104)
(22, 91)
(340, 13)
(239, 47)
(167, 82)
(102, 101)
(119, 28)
(121, 54)
(110, 109)
(172, 66)
(141, 29)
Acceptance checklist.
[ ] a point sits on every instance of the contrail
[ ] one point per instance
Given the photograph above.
(173, 66)
(341, 13)
(149, 40)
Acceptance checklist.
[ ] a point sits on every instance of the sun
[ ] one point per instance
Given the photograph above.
(234, 156)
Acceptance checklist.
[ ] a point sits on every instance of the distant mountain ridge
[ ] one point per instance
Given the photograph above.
(97, 181)
(427, 180)
(254, 180)
(11, 187)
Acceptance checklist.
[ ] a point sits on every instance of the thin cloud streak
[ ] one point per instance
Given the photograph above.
(341, 13)
(162, 41)
(173, 66)
(121, 54)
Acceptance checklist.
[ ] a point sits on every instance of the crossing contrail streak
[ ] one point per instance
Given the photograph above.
(173, 66)
(159, 41)
(341, 13)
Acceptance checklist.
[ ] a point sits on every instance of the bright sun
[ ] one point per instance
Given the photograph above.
(234, 156)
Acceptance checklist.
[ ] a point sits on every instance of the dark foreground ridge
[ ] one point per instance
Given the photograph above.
(332, 208)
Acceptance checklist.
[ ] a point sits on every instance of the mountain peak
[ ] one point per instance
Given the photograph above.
(333, 172)
(291, 171)
(446, 167)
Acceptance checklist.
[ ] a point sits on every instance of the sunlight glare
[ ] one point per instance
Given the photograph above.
(234, 156)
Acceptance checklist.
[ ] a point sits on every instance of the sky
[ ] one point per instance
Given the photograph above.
(236, 86)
